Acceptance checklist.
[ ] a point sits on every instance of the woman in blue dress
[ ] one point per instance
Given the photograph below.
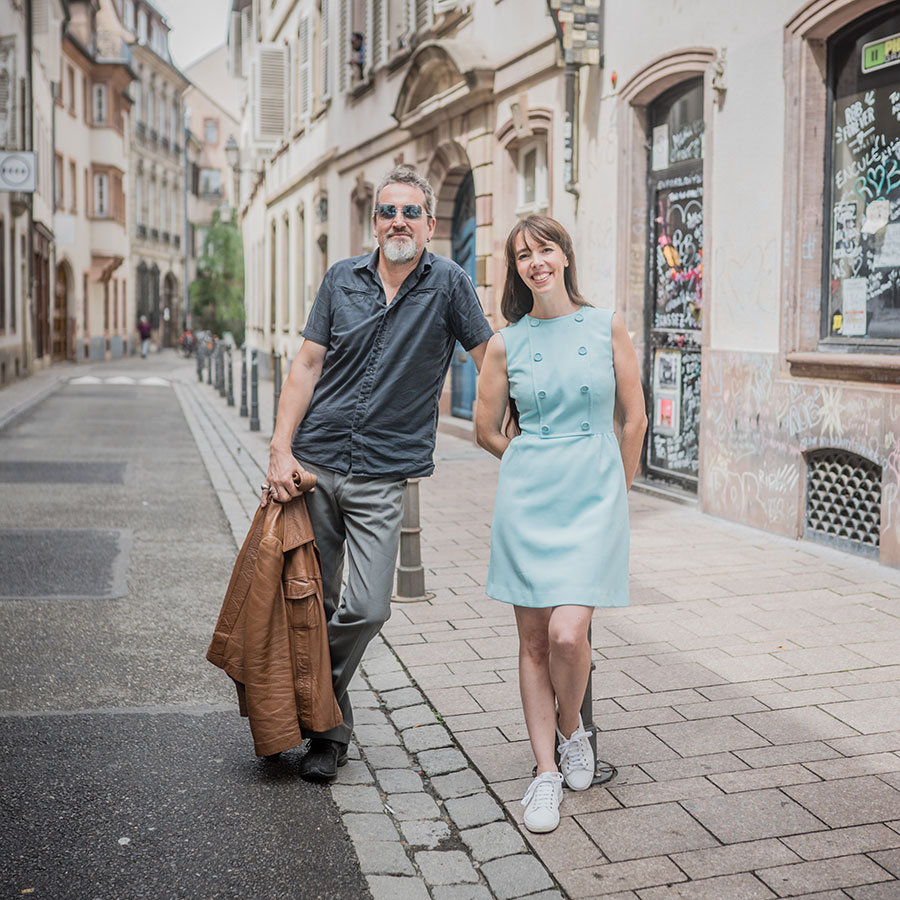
(564, 370)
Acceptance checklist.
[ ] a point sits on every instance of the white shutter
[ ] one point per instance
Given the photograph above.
(8, 93)
(40, 16)
(270, 89)
(246, 37)
(304, 80)
(380, 40)
(325, 45)
(441, 6)
(343, 58)
(424, 16)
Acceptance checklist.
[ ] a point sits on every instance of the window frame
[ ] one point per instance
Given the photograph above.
(541, 203)
(828, 341)
(101, 192)
(99, 104)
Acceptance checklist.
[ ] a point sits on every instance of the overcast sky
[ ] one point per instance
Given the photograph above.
(198, 26)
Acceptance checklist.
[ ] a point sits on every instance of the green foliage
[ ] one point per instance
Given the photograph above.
(217, 293)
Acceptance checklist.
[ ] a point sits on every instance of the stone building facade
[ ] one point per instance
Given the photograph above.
(93, 300)
(733, 189)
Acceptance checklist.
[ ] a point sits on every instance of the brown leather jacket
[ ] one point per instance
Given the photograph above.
(271, 636)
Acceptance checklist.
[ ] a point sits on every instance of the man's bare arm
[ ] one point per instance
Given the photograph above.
(296, 393)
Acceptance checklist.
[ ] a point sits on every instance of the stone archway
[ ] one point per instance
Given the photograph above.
(60, 339)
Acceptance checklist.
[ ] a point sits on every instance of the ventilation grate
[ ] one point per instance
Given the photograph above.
(843, 499)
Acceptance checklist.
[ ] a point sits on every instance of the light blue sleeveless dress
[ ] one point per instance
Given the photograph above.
(560, 528)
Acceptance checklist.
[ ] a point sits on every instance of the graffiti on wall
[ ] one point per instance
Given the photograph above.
(757, 425)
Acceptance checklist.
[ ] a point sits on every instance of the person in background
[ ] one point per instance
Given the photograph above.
(143, 329)
(559, 536)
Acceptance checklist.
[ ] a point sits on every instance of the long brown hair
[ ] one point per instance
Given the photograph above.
(517, 299)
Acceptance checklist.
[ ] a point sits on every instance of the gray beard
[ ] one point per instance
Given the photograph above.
(399, 251)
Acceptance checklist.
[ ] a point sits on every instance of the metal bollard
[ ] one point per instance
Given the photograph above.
(200, 362)
(603, 771)
(230, 392)
(220, 370)
(276, 381)
(254, 397)
(243, 411)
(410, 572)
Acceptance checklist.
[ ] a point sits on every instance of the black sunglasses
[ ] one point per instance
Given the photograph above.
(389, 211)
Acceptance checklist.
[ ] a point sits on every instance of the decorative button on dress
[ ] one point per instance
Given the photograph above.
(560, 528)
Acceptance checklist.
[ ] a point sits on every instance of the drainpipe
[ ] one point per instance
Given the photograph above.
(184, 240)
(28, 319)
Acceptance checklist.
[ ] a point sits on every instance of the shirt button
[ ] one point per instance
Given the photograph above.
(579, 317)
(534, 323)
(538, 357)
(545, 429)
(582, 351)
(542, 394)
(584, 389)
(585, 426)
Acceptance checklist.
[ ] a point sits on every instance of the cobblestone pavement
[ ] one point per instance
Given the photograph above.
(749, 697)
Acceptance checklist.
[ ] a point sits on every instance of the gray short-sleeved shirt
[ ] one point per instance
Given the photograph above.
(375, 407)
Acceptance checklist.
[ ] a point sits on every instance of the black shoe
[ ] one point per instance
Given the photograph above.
(322, 759)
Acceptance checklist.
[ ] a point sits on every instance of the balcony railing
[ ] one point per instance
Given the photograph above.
(176, 240)
(154, 234)
(141, 130)
(153, 136)
(142, 231)
(165, 237)
(164, 142)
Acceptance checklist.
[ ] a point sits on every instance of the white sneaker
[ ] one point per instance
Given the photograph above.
(576, 758)
(541, 802)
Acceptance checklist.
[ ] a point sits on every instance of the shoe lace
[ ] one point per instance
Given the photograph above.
(542, 791)
(571, 750)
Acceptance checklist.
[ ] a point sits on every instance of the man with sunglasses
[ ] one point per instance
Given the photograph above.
(359, 409)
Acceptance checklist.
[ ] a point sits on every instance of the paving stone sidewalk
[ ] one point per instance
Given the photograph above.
(749, 697)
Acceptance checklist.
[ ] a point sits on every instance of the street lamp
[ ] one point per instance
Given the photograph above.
(232, 153)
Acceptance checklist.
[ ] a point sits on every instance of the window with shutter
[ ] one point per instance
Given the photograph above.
(99, 104)
(304, 73)
(40, 16)
(270, 92)
(325, 39)
(7, 92)
(101, 194)
(442, 6)
(343, 44)
(379, 26)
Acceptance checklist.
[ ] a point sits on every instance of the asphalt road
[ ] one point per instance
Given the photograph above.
(126, 769)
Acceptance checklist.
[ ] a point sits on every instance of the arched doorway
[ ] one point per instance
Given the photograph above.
(59, 335)
(462, 250)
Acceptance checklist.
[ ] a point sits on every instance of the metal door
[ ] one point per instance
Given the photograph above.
(463, 372)
(675, 284)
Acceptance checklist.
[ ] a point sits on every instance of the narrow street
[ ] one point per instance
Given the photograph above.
(127, 770)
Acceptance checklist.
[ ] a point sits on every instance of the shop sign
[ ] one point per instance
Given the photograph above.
(17, 171)
(881, 53)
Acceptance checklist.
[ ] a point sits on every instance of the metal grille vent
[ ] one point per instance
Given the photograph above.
(843, 499)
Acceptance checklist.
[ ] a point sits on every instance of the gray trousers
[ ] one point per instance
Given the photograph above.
(359, 516)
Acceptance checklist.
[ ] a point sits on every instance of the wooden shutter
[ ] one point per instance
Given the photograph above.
(423, 13)
(304, 73)
(325, 47)
(8, 93)
(343, 55)
(270, 90)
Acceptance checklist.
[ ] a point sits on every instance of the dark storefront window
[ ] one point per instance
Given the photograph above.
(675, 283)
(862, 282)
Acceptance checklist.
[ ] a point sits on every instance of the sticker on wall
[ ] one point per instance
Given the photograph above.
(888, 254)
(665, 414)
(845, 230)
(881, 53)
(667, 376)
(660, 155)
(853, 313)
(877, 213)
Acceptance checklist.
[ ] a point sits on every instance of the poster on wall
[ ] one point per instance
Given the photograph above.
(667, 376)
(665, 414)
(853, 311)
